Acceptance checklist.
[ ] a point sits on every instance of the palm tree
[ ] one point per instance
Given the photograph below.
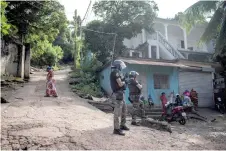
(216, 29)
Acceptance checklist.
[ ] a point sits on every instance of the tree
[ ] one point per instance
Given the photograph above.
(77, 42)
(44, 53)
(6, 28)
(125, 18)
(216, 29)
(40, 22)
(64, 40)
(101, 44)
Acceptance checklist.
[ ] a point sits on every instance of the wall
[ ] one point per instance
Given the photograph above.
(9, 59)
(133, 42)
(15, 59)
(145, 72)
(148, 72)
(193, 38)
(175, 35)
(104, 77)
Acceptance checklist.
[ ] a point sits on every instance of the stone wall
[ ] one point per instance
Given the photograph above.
(9, 58)
(15, 59)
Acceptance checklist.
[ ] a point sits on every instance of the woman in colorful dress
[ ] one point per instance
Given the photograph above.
(164, 102)
(50, 84)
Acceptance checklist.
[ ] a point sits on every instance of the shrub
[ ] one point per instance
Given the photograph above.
(89, 83)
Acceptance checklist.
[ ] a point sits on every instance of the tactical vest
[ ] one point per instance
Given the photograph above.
(114, 84)
(133, 89)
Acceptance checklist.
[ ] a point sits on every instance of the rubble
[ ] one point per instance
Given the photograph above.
(159, 125)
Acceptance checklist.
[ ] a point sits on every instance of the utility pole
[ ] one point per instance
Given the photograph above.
(113, 49)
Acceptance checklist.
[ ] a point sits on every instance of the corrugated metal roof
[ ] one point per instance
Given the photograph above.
(143, 62)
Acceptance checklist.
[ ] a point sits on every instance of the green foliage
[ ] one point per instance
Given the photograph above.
(88, 79)
(92, 66)
(125, 18)
(77, 42)
(6, 28)
(44, 53)
(216, 28)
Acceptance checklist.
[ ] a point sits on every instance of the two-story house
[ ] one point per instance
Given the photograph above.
(170, 41)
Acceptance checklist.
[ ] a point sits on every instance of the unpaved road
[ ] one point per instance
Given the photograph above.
(68, 122)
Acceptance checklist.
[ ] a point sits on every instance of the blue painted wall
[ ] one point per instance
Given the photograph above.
(149, 71)
(104, 77)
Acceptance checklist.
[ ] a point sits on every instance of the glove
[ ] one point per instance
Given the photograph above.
(126, 75)
(126, 82)
(130, 100)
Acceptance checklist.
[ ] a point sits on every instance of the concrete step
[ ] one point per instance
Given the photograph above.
(156, 117)
(153, 113)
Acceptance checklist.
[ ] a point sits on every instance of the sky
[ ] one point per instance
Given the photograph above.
(167, 8)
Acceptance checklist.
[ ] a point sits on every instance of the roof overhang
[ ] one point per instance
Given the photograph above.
(157, 63)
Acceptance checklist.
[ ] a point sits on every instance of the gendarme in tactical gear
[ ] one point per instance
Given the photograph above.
(134, 96)
(134, 86)
(118, 85)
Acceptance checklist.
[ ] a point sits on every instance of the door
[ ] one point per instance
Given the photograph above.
(153, 52)
(201, 82)
(182, 44)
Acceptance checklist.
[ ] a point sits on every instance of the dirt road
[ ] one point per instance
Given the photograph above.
(32, 121)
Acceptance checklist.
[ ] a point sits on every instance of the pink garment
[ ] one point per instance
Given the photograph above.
(164, 101)
(50, 85)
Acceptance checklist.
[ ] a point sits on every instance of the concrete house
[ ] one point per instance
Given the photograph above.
(169, 41)
(169, 60)
(159, 76)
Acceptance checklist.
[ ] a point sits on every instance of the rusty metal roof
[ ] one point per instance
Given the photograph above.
(154, 63)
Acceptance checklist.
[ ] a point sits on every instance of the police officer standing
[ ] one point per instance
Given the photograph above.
(134, 95)
(118, 86)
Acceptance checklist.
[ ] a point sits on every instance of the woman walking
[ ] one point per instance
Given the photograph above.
(50, 84)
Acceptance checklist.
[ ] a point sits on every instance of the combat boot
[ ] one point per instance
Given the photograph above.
(135, 123)
(118, 132)
(124, 127)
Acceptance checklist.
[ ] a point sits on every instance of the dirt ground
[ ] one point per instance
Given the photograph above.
(69, 122)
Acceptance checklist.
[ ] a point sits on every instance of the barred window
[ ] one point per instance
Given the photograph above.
(161, 81)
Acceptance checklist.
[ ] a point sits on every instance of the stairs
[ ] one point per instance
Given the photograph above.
(154, 112)
(167, 50)
(107, 107)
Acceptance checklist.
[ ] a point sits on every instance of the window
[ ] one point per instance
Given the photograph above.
(161, 81)
(153, 52)
(135, 54)
(102, 77)
(182, 44)
(190, 48)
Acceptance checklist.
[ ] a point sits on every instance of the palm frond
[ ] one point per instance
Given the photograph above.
(214, 25)
(197, 13)
(202, 7)
(220, 48)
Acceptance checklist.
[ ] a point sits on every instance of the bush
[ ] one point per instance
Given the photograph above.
(89, 83)
(44, 53)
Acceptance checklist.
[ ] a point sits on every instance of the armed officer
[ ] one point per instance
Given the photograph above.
(118, 86)
(134, 96)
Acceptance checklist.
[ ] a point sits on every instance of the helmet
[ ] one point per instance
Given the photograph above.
(49, 68)
(118, 64)
(133, 74)
(142, 98)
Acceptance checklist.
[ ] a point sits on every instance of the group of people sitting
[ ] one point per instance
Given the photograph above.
(187, 100)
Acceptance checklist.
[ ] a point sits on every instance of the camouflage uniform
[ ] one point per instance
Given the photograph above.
(120, 109)
(138, 106)
(134, 94)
